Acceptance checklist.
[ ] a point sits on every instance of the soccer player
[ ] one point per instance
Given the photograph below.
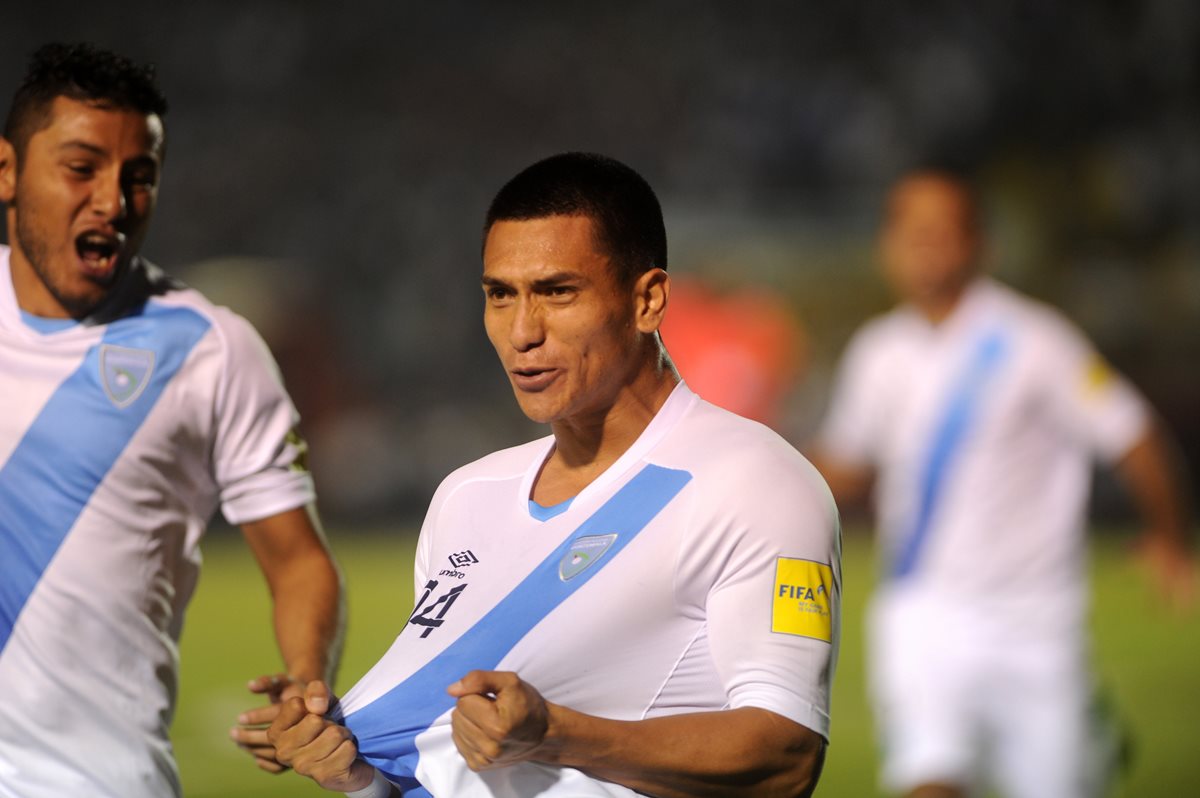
(645, 600)
(130, 409)
(975, 413)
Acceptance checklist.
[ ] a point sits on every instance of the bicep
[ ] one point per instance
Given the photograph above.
(774, 612)
(1094, 403)
(259, 459)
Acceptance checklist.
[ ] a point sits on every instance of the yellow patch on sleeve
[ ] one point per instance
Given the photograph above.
(802, 603)
(1097, 376)
(300, 451)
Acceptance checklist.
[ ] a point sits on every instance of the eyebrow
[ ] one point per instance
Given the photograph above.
(83, 145)
(557, 278)
(140, 160)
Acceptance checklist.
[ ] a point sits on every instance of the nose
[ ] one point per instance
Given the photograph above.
(108, 198)
(528, 328)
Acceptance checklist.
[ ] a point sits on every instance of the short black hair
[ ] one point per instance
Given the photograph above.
(625, 212)
(957, 177)
(81, 72)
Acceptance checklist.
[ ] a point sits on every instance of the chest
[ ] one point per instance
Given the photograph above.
(74, 405)
(982, 389)
(584, 585)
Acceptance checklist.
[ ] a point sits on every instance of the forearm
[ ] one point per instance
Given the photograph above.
(1152, 475)
(740, 752)
(309, 618)
(306, 589)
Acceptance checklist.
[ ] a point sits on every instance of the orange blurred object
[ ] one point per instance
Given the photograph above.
(742, 350)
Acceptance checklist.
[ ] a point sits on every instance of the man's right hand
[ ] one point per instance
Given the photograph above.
(316, 747)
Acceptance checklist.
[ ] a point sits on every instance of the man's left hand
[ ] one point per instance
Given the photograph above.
(499, 719)
(251, 732)
(1172, 568)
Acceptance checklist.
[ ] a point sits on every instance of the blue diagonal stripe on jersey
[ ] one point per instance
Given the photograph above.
(71, 446)
(387, 728)
(957, 418)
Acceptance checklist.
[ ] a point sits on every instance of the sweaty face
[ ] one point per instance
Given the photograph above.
(79, 204)
(560, 322)
(929, 244)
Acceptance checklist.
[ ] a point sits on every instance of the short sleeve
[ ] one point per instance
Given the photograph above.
(259, 458)
(1098, 406)
(774, 605)
(850, 429)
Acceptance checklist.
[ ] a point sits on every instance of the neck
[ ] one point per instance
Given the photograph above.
(32, 295)
(584, 446)
(937, 307)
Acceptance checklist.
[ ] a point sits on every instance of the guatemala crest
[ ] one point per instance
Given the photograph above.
(125, 372)
(582, 553)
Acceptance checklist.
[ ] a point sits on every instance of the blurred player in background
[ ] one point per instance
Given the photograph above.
(646, 600)
(130, 409)
(975, 414)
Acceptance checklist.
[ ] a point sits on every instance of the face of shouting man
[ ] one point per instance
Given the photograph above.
(79, 196)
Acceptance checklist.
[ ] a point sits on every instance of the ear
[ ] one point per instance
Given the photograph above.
(8, 171)
(651, 292)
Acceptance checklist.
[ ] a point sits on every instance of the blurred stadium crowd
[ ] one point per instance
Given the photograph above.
(330, 165)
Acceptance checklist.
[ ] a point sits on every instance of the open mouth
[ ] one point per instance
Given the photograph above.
(98, 252)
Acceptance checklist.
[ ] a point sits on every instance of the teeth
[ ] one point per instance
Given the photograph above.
(95, 247)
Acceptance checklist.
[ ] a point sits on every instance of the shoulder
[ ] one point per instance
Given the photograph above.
(879, 330)
(735, 460)
(751, 496)
(1046, 330)
(230, 331)
(878, 338)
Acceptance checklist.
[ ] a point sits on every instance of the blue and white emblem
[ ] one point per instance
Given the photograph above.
(582, 553)
(125, 372)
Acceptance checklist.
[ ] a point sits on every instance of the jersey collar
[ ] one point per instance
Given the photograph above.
(681, 400)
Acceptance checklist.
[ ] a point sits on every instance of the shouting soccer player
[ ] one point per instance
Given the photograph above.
(979, 411)
(130, 409)
(644, 602)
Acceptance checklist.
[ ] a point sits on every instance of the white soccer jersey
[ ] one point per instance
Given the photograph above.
(982, 430)
(118, 440)
(701, 571)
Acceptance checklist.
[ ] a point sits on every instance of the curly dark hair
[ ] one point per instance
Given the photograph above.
(622, 206)
(81, 72)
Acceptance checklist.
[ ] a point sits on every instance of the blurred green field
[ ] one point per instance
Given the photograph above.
(1149, 660)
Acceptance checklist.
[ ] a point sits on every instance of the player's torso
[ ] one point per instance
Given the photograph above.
(600, 608)
(979, 483)
(104, 450)
(608, 606)
(627, 625)
(576, 603)
(583, 606)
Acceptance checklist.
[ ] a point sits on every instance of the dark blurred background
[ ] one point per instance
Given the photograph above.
(330, 165)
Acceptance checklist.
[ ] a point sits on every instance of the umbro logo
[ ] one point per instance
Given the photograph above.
(459, 560)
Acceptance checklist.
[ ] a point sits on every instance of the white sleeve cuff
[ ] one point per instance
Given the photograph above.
(378, 788)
